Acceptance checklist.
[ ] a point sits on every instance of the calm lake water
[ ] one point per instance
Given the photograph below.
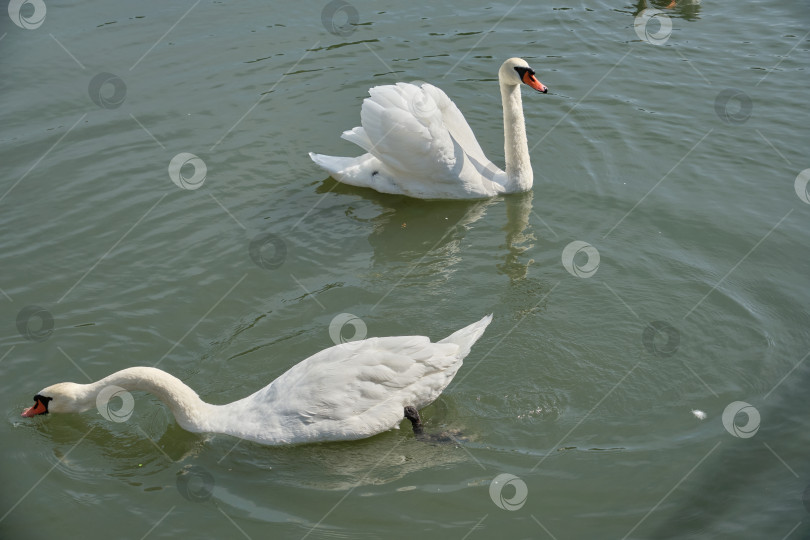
(656, 273)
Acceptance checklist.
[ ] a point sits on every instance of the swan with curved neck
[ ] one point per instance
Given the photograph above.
(419, 144)
(349, 391)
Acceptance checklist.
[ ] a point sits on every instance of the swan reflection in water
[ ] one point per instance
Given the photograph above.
(519, 236)
(411, 231)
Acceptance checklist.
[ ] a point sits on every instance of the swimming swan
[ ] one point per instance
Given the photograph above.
(349, 391)
(420, 145)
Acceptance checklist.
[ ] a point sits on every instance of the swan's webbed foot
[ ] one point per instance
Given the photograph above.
(413, 415)
(452, 436)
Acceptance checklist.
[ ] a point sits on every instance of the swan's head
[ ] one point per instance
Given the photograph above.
(516, 71)
(59, 398)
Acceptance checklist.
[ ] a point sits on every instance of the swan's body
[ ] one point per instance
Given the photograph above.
(419, 144)
(349, 391)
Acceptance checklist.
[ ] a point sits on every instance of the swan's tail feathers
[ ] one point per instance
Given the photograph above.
(359, 137)
(467, 336)
(345, 168)
(332, 164)
(362, 171)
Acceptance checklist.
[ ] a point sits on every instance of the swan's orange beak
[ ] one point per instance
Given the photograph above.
(531, 80)
(39, 408)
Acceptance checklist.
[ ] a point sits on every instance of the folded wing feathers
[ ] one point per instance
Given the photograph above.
(359, 137)
(404, 124)
(419, 143)
(379, 369)
(353, 390)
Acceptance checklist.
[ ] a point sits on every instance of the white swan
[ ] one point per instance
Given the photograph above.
(420, 145)
(349, 391)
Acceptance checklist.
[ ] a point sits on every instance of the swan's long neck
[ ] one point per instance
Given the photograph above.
(188, 409)
(516, 146)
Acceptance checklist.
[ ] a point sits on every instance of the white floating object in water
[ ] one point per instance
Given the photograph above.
(700, 415)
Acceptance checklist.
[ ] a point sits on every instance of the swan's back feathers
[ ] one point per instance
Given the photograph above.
(455, 122)
(405, 124)
(357, 389)
(350, 379)
(418, 144)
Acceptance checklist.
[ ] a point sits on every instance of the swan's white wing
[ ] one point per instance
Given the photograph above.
(357, 389)
(418, 144)
(418, 133)
(406, 130)
(455, 122)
